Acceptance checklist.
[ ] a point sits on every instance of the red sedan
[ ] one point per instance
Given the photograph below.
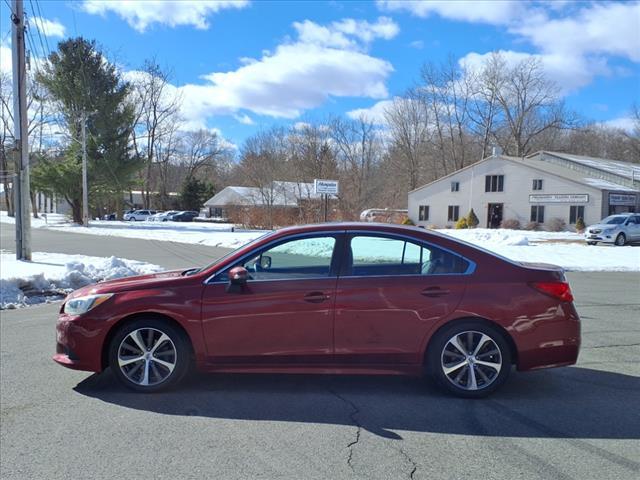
(333, 298)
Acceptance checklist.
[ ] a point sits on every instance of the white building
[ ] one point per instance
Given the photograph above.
(537, 188)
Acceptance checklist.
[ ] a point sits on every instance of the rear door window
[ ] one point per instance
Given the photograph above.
(370, 255)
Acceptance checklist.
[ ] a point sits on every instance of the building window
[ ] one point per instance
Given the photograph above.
(455, 186)
(537, 213)
(453, 213)
(423, 213)
(537, 184)
(576, 212)
(494, 183)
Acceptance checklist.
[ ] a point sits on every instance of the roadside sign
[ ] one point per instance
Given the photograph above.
(327, 187)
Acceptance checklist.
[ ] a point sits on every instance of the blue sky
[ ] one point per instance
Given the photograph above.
(243, 65)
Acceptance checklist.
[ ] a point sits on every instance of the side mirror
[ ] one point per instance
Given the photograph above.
(238, 276)
(265, 262)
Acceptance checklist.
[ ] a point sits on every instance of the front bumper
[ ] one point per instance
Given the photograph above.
(602, 237)
(79, 342)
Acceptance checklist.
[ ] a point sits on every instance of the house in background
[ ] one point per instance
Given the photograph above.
(277, 203)
(538, 188)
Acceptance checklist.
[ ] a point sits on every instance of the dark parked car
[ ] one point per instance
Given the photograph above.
(184, 216)
(109, 216)
(330, 298)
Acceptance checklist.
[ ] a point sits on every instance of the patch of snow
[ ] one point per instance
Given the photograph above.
(52, 275)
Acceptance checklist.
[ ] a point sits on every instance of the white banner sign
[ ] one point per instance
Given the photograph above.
(329, 187)
(622, 199)
(559, 198)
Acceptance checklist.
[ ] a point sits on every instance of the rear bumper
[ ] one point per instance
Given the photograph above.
(552, 342)
(79, 343)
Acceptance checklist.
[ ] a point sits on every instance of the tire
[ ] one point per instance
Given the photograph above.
(157, 355)
(591, 243)
(620, 240)
(132, 219)
(470, 335)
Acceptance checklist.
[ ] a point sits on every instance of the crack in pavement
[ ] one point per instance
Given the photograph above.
(352, 415)
(613, 346)
(410, 460)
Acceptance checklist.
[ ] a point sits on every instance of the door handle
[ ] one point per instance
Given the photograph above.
(435, 292)
(316, 297)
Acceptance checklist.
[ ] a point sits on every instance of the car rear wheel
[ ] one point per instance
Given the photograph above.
(621, 240)
(470, 359)
(149, 355)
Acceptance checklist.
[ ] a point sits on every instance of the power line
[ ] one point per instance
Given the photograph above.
(46, 40)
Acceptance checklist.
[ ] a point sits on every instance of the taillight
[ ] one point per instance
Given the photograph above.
(559, 290)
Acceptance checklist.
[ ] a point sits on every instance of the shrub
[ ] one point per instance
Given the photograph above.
(532, 226)
(407, 221)
(511, 223)
(580, 226)
(557, 225)
(472, 219)
(461, 223)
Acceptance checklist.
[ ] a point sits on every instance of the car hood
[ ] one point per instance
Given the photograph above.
(602, 226)
(153, 280)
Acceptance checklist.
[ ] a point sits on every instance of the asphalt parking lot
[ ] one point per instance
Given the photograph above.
(580, 422)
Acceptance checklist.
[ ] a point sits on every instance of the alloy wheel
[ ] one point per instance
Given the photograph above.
(147, 356)
(471, 360)
(620, 240)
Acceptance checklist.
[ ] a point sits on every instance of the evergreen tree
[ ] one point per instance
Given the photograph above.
(195, 193)
(472, 219)
(87, 87)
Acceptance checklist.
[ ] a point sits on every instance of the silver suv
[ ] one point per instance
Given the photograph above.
(617, 229)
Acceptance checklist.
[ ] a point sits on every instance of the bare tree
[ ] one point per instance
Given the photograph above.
(529, 105)
(408, 122)
(157, 111)
(199, 149)
(359, 152)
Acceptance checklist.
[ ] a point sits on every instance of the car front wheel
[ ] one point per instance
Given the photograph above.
(621, 240)
(470, 359)
(149, 355)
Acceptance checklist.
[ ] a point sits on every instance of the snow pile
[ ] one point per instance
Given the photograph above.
(52, 275)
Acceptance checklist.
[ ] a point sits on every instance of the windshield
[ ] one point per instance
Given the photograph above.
(614, 220)
(232, 252)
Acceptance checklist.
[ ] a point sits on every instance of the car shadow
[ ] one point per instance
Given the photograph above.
(576, 403)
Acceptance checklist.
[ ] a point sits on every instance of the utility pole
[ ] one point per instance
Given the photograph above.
(21, 134)
(85, 188)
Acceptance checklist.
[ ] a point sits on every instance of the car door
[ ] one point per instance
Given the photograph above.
(284, 313)
(633, 228)
(391, 292)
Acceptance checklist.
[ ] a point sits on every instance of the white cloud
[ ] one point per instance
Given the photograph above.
(417, 44)
(300, 74)
(140, 14)
(574, 44)
(610, 28)
(346, 33)
(627, 124)
(569, 73)
(244, 119)
(5, 59)
(48, 28)
(486, 11)
(374, 114)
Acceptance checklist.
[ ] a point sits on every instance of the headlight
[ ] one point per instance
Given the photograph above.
(80, 305)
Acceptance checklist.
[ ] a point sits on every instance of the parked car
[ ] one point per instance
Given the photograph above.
(347, 298)
(163, 216)
(617, 229)
(109, 216)
(138, 215)
(184, 216)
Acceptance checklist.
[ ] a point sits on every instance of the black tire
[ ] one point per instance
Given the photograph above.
(176, 350)
(438, 358)
(132, 219)
(620, 240)
(591, 243)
